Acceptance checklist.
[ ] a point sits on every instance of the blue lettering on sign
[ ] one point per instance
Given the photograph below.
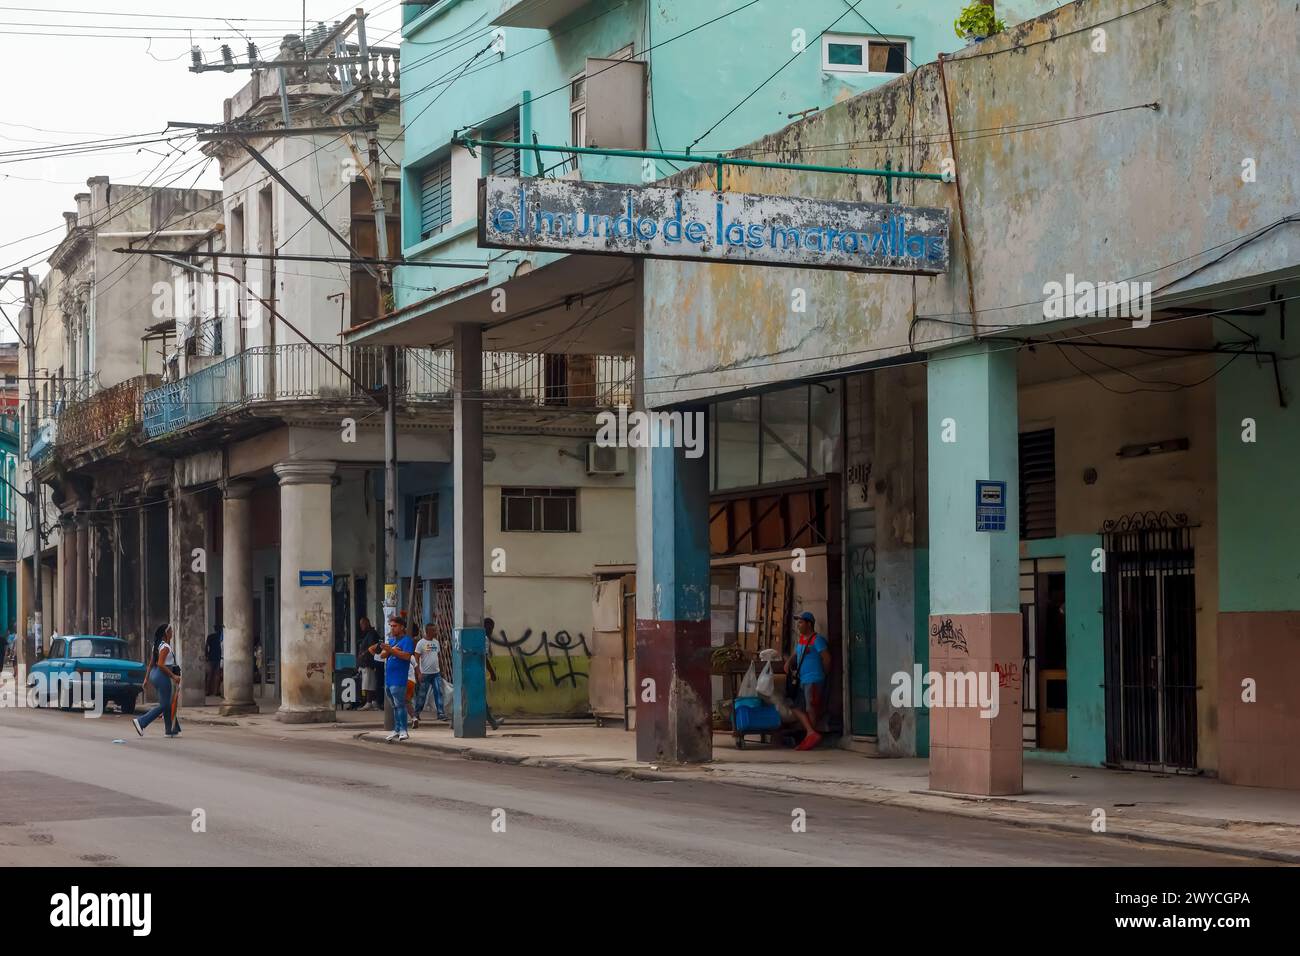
(890, 240)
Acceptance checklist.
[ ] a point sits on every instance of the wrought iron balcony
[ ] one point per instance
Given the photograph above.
(105, 414)
(265, 376)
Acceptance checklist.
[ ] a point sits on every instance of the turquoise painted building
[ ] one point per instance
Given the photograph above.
(9, 433)
(700, 77)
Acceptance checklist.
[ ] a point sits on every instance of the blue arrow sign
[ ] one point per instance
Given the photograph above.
(315, 579)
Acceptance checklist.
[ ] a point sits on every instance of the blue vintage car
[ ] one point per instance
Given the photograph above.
(91, 657)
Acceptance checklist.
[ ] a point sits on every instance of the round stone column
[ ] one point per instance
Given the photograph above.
(306, 609)
(237, 598)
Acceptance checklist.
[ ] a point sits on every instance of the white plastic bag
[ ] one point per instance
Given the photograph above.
(749, 683)
(446, 692)
(764, 687)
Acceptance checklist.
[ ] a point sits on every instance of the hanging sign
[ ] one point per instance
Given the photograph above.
(566, 215)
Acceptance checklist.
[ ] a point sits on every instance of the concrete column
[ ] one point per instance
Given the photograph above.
(189, 605)
(974, 574)
(673, 710)
(69, 546)
(893, 487)
(116, 560)
(81, 610)
(306, 612)
(1256, 691)
(469, 641)
(237, 598)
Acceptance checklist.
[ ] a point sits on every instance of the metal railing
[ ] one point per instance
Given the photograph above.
(107, 412)
(298, 372)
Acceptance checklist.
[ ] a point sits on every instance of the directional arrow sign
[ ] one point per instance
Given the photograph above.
(315, 579)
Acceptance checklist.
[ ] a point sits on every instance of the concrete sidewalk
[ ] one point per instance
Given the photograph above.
(1184, 811)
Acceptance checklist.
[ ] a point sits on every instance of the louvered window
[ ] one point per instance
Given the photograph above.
(504, 162)
(435, 199)
(1038, 484)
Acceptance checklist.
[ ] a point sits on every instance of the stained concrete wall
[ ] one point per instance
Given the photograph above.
(1117, 191)
(1092, 422)
(542, 602)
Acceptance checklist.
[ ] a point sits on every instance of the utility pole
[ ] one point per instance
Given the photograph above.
(26, 649)
(390, 352)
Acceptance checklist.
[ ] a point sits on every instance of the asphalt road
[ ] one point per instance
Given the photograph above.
(70, 795)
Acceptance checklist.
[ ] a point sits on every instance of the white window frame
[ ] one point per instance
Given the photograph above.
(864, 41)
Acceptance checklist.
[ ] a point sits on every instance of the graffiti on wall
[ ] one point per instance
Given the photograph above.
(948, 635)
(555, 656)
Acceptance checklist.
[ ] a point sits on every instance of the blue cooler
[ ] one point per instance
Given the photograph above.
(750, 715)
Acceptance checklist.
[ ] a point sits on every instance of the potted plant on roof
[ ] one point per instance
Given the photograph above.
(978, 21)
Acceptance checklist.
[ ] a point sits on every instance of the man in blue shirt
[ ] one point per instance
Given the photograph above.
(396, 655)
(811, 660)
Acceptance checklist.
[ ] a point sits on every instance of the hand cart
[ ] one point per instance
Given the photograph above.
(751, 716)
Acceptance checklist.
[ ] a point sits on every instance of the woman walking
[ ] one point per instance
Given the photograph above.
(164, 675)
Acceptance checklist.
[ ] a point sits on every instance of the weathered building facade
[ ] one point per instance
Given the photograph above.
(1014, 476)
(1135, 595)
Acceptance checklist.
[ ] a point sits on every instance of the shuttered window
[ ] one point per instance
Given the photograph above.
(435, 199)
(504, 162)
(1038, 484)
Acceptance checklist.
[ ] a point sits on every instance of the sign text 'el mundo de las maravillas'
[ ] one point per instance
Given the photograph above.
(670, 223)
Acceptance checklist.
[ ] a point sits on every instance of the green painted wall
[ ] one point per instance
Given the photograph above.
(1259, 481)
(1084, 650)
(542, 694)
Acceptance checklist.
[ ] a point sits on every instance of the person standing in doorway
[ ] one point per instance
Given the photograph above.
(369, 673)
(430, 673)
(165, 677)
(809, 665)
(396, 656)
(212, 651)
(489, 626)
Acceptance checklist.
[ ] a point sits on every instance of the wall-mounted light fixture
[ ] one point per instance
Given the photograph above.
(1153, 448)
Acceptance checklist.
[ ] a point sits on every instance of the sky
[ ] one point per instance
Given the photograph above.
(80, 70)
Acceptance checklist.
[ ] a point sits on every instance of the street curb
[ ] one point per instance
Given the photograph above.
(958, 806)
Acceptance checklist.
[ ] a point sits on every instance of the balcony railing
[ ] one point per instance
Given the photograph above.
(296, 373)
(108, 412)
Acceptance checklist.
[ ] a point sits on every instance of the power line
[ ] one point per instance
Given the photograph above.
(746, 98)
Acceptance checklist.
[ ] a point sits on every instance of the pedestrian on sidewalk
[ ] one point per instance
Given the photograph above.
(489, 626)
(430, 673)
(807, 667)
(370, 674)
(165, 677)
(212, 651)
(396, 656)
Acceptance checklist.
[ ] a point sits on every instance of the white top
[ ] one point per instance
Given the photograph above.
(168, 659)
(428, 649)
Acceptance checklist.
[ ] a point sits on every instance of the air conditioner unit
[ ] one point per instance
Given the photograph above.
(606, 460)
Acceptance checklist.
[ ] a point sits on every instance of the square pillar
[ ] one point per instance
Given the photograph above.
(469, 640)
(673, 691)
(306, 609)
(237, 598)
(974, 574)
(69, 545)
(189, 589)
(81, 610)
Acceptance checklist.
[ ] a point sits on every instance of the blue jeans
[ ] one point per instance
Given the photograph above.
(162, 685)
(397, 697)
(429, 682)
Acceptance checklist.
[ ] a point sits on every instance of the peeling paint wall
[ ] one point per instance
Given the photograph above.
(1110, 190)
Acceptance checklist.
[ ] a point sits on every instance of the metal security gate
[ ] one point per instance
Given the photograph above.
(1149, 614)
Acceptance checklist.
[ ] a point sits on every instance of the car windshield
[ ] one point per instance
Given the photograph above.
(89, 647)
